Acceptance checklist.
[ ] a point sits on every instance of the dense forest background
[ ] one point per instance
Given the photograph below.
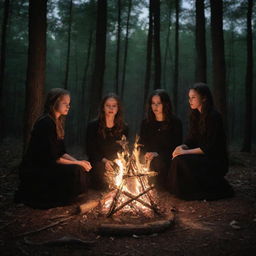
(129, 47)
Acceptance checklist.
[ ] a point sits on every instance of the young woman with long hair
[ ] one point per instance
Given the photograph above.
(102, 136)
(200, 164)
(160, 134)
(49, 176)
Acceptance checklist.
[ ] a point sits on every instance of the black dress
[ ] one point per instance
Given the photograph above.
(201, 176)
(43, 182)
(98, 147)
(161, 137)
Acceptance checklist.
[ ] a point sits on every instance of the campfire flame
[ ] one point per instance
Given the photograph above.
(129, 181)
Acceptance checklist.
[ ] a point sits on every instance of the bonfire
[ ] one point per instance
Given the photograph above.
(132, 191)
(131, 206)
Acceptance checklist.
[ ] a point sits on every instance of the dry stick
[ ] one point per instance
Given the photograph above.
(130, 200)
(114, 202)
(137, 199)
(7, 224)
(43, 228)
(143, 187)
(140, 175)
(149, 197)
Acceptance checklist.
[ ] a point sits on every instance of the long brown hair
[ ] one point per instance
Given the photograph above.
(167, 105)
(197, 119)
(52, 100)
(118, 121)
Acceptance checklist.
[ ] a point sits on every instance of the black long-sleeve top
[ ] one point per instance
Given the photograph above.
(213, 141)
(44, 147)
(160, 136)
(98, 147)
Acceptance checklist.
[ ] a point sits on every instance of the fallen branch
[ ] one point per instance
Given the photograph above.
(141, 229)
(7, 224)
(61, 241)
(44, 228)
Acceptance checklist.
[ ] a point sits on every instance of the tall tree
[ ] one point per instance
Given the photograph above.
(2, 64)
(149, 52)
(218, 57)
(247, 143)
(201, 64)
(157, 48)
(69, 44)
(118, 44)
(36, 64)
(167, 44)
(100, 52)
(126, 46)
(176, 56)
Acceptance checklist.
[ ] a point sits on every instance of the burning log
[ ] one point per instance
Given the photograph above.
(130, 181)
(137, 229)
(130, 200)
(86, 207)
(137, 199)
(114, 202)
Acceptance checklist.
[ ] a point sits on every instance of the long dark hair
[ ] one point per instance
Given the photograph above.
(167, 105)
(197, 119)
(118, 121)
(52, 100)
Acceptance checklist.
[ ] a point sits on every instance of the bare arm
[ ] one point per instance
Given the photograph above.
(67, 159)
(183, 150)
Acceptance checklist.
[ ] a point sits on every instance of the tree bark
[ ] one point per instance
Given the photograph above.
(176, 57)
(99, 66)
(126, 47)
(157, 48)
(201, 64)
(118, 45)
(149, 53)
(218, 57)
(2, 65)
(247, 142)
(36, 65)
(167, 47)
(69, 45)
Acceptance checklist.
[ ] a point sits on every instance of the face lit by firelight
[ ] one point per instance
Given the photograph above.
(156, 105)
(63, 106)
(195, 100)
(111, 107)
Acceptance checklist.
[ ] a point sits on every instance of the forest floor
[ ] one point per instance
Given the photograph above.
(223, 227)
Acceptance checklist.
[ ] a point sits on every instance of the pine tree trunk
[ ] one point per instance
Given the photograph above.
(157, 48)
(2, 66)
(126, 47)
(36, 65)
(118, 45)
(247, 143)
(167, 48)
(176, 58)
(149, 53)
(218, 57)
(100, 51)
(69, 45)
(201, 64)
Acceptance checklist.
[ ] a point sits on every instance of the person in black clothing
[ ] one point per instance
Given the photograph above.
(200, 164)
(160, 134)
(48, 175)
(102, 136)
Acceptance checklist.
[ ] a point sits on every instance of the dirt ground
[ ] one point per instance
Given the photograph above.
(223, 227)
